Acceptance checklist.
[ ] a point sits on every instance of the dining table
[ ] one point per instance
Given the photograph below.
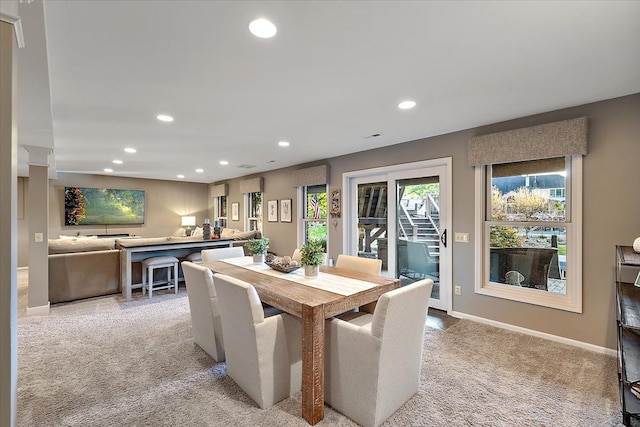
(312, 299)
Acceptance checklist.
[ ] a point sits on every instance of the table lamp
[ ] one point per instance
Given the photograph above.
(188, 221)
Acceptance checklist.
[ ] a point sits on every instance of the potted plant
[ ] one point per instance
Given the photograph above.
(311, 256)
(258, 248)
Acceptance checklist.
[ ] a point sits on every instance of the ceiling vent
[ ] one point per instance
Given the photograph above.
(246, 166)
(375, 135)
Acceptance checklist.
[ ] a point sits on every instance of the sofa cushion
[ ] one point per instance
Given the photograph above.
(65, 246)
(235, 234)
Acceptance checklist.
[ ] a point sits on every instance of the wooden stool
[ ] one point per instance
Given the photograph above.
(195, 257)
(150, 264)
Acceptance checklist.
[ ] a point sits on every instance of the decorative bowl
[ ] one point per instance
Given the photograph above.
(283, 268)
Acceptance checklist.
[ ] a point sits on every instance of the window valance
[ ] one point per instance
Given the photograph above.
(315, 175)
(219, 190)
(251, 185)
(556, 139)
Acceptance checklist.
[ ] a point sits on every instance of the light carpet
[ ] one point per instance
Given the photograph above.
(105, 362)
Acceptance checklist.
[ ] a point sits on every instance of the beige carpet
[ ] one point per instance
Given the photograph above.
(104, 362)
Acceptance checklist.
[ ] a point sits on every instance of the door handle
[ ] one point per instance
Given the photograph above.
(443, 238)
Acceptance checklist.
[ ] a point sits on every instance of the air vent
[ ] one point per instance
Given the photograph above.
(247, 166)
(375, 135)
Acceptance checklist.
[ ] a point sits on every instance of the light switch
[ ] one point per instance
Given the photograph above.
(462, 237)
(38, 237)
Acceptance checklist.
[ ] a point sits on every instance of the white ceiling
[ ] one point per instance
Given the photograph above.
(334, 74)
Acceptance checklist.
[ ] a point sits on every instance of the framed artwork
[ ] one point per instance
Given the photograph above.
(335, 203)
(272, 211)
(285, 210)
(235, 211)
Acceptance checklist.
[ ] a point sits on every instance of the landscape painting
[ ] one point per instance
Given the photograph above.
(103, 206)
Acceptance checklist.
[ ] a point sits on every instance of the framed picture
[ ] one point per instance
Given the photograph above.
(285, 210)
(335, 203)
(272, 211)
(235, 211)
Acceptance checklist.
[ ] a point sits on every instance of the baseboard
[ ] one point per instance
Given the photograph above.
(550, 337)
(42, 310)
(23, 268)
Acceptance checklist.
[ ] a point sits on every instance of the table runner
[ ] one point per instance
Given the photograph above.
(327, 282)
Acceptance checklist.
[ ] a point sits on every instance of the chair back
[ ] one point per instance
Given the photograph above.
(362, 265)
(297, 256)
(216, 254)
(203, 305)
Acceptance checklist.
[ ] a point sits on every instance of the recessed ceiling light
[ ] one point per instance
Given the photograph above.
(283, 143)
(130, 150)
(199, 170)
(108, 170)
(223, 162)
(406, 105)
(164, 118)
(262, 28)
(180, 176)
(118, 162)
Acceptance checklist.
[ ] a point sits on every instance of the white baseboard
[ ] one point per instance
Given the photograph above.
(563, 340)
(22, 268)
(42, 310)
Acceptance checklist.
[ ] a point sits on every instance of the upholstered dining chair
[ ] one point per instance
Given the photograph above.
(362, 265)
(264, 355)
(372, 362)
(205, 314)
(216, 254)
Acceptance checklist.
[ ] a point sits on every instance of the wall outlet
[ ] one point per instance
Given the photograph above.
(38, 237)
(458, 290)
(462, 237)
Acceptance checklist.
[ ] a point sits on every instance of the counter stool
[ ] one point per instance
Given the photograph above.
(151, 264)
(195, 257)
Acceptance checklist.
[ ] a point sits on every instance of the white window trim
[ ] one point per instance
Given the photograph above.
(217, 204)
(301, 219)
(247, 219)
(572, 300)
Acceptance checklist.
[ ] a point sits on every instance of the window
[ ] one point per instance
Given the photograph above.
(530, 231)
(253, 203)
(313, 222)
(220, 210)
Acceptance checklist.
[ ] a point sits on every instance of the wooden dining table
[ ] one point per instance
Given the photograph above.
(313, 306)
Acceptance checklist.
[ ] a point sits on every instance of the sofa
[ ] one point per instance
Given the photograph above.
(85, 267)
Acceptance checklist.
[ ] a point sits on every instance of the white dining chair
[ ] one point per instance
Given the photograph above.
(203, 305)
(264, 355)
(362, 265)
(372, 361)
(216, 254)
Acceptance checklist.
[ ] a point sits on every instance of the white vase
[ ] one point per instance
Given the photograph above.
(636, 245)
(311, 270)
(258, 258)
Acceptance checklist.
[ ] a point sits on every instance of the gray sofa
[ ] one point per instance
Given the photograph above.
(83, 268)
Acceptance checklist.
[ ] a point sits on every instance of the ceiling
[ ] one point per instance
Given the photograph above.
(94, 75)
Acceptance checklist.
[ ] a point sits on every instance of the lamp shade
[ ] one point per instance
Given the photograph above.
(188, 221)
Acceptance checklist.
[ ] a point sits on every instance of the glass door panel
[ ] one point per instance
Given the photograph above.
(372, 221)
(418, 231)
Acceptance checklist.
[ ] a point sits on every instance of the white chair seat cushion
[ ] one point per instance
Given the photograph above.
(160, 260)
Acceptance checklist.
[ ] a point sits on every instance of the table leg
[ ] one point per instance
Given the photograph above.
(125, 273)
(313, 364)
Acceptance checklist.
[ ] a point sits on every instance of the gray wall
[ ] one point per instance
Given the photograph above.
(166, 202)
(611, 213)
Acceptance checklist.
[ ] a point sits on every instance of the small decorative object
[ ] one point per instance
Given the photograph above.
(637, 283)
(285, 210)
(311, 256)
(206, 230)
(272, 215)
(284, 264)
(258, 248)
(335, 203)
(636, 245)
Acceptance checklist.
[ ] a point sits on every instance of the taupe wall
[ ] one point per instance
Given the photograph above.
(611, 213)
(166, 202)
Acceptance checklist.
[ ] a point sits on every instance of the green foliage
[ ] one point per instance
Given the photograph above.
(257, 246)
(312, 253)
(75, 206)
(504, 237)
(421, 191)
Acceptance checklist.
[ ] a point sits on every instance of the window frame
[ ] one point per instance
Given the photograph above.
(572, 299)
(218, 203)
(248, 204)
(302, 214)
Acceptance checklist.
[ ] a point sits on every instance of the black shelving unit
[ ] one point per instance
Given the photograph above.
(628, 302)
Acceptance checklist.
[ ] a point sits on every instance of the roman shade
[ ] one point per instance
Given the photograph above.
(556, 139)
(315, 175)
(251, 185)
(219, 190)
